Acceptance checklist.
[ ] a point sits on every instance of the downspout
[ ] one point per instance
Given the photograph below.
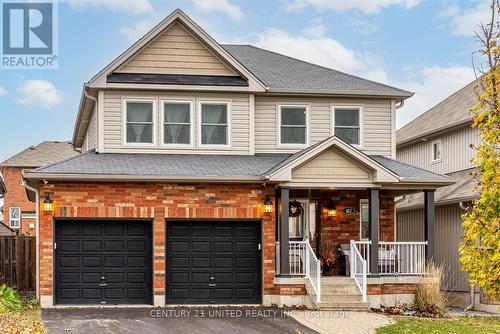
(400, 104)
(37, 240)
(90, 97)
(472, 287)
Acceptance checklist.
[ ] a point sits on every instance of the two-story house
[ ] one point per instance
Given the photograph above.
(19, 211)
(440, 140)
(228, 174)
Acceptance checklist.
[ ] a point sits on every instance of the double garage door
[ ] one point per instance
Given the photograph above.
(110, 262)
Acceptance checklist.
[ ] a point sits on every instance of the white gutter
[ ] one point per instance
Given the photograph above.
(37, 240)
(143, 178)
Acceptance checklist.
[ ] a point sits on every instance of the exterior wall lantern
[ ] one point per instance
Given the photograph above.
(48, 203)
(268, 204)
(331, 209)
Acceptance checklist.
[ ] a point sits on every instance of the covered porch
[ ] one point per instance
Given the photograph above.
(335, 214)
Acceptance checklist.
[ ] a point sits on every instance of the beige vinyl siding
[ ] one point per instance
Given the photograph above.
(455, 151)
(376, 122)
(176, 51)
(90, 141)
(239, 119)
(410, 227)
(330, 165)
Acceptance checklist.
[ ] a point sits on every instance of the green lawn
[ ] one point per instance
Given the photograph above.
(462, 325)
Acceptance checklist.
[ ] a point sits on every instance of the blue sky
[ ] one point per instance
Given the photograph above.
(424, 46)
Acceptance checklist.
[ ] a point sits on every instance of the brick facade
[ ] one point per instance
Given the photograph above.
(157, 201)
(16, 197)
(391, 289)
(160, 201)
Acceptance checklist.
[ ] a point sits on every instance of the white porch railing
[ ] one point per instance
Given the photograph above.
(359, 269)
(396, 258)
(303, 262)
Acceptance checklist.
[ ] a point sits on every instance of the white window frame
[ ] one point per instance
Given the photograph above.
(360, 109)
(154, 102)
(18, 220)
(278, 125)
(228, 135)
(438, 144)
(361, 202)
(191, 122)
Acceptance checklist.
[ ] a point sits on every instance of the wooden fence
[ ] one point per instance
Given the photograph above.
(17, 262)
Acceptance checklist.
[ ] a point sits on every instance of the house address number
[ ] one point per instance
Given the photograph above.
(348, 211)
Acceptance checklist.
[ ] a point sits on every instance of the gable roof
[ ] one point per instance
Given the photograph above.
(45, 153)
(177, 16)
(282, 73)
(451, 112)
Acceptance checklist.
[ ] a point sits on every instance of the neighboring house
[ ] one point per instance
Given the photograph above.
(219, 174)
(4, 229)
(19, 212)
(439, 140)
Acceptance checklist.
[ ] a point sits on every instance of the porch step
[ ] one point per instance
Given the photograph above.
(339, 290)
(352, 298)
(344, 306)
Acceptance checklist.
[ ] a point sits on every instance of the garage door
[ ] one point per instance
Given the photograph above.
(214, 262)
(103, 262)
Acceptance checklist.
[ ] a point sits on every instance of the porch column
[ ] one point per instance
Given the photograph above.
(373, 218)
(284, 236)
(429, 220)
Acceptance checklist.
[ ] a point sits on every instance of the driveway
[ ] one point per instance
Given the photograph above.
(171, 320)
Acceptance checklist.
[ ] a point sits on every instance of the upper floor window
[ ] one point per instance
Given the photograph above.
(347, 124)
(15, 217)
(293, 125)
(214, 125)
(436, 151)
(177, 118)
(139, 122)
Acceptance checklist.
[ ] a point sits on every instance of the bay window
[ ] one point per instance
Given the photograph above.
(214, 123)
(177, 118)
(139, 122)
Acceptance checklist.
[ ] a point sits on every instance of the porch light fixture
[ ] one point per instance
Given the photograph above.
(268, 204)
(331, 209)
(48, 203)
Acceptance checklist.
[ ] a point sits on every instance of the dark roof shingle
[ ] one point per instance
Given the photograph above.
(284, 73)
(463, 189)
(45, 153)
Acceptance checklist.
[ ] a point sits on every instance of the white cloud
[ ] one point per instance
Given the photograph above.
(38, 93)
(137, 30)
(360, 25)
(449, 11)
(465, 22)
(366, 6)
(124, 6)
(232, 10)
(3, 91)
(315, 29)
(435, 85)
(327, 51)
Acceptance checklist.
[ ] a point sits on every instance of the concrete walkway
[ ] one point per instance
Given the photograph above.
(333, 322)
